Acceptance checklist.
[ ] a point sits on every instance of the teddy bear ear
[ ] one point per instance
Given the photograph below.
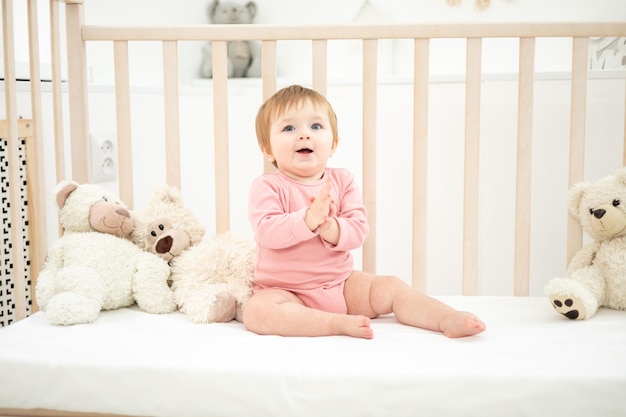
(63, 190)
(170, 194)
(575, 197)
(251, 6)
(213, 9)
(620, 176)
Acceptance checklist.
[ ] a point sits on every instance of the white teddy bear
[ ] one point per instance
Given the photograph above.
(211, 278)
(93, 266)
(596, 276)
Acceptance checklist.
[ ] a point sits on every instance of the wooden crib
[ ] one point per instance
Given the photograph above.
(531, 361)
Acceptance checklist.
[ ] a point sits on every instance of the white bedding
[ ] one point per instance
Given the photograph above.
(529, 362)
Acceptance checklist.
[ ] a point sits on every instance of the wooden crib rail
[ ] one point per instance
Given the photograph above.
(352, 31)
(370, 34)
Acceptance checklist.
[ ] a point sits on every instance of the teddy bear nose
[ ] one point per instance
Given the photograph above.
(164, 245)
(599, 213)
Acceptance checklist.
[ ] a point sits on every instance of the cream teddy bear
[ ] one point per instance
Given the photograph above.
(211, 277)
(94, 266)
(596, 276)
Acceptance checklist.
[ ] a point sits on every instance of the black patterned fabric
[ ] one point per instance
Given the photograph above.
(8, 301)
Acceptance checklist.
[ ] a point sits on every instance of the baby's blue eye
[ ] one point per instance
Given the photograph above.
(316, 126)
(288, 128)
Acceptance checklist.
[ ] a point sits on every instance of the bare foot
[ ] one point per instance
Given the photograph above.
(355, 326)
(461, 324)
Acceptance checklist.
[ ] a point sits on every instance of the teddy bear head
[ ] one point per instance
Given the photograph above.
(168, 226)
(600, 207)
(90, 207)
(230, 12)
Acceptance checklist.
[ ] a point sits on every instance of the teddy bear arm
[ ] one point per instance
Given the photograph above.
(583, 258)
(45, 287)
(150, 288)
(255, 67)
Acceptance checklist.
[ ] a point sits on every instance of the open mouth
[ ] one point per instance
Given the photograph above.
(305, 150)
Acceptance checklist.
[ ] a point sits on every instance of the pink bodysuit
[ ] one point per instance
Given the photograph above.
(294, 258)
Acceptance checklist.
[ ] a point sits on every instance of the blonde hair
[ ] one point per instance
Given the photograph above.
(279, 102)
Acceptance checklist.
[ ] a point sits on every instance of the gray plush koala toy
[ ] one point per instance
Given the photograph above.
(244, 57)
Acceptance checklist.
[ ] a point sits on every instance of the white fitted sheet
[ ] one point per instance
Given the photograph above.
(529, 362)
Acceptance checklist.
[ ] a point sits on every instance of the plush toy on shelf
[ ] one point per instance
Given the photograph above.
(244, 57)
(480, 4)
(211, 277)
(93, 266)
(596, 276)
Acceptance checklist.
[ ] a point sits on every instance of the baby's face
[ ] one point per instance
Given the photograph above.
(302, 141)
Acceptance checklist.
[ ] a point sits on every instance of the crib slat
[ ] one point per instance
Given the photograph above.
(420, 163)
(370, 74)
(57, 91)
(472, 142)
(269, 67)
(580, 47)
(319, 65)
(524, 163)
(34, 151)
(78, 106)
(124, 141)
(220, 112)
(17, 223)
(172, 112)
(57, 95)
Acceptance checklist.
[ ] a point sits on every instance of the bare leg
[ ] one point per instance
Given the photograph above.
(282, 313)
(372, 295)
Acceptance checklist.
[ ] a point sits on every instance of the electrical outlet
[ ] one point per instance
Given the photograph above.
(103, 157)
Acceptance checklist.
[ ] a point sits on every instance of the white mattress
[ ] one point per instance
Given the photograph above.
(529, 362)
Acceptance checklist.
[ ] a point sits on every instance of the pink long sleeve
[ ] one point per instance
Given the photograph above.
(289, 255)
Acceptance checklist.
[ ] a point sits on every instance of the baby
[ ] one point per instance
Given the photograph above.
(306, 219)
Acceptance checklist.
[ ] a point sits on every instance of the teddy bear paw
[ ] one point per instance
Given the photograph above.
(569, 306)
(224, 308)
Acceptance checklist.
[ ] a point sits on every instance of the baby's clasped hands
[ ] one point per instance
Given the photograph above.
(322, 209)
